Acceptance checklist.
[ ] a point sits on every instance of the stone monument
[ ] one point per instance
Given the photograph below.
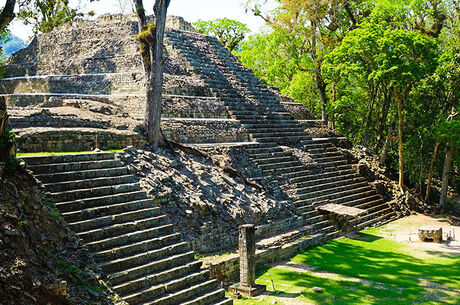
(247, 250)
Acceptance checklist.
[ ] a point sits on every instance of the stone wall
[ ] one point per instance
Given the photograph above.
(298, 111)
(107, 83)
(214, 238)
(204, 130)
(71, 139)
(226, 269)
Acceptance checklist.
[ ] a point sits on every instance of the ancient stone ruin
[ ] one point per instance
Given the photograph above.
(80, 87)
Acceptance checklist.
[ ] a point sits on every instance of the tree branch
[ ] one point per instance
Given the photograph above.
(7, 14)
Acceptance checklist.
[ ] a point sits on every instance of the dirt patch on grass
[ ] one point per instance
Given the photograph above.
(405, 230)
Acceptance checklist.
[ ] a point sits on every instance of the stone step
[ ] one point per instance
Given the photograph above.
(170, 286)
(129, 237)
(364, 201)
(277, 135)
(93, 192)
(282, 129)
(96, 202)
(339, 196)
(325, 159)
(210, 297)
(189, 294)
(299, 180)
(107, 210)
(130, 287)
(260, 125)
(281, 166)
(142, 258)
(123, 228)
(373, 205)
(138, 272)
(272, 160)
(98, 222)
(260, 117)
(283, 140)
(313, 219)
(283, 170)
(137, 247)
(328, 185)
(88, 183)
(333, 164)
(375, 220)
(52, 159)
(82, 175)
(264, 150)
(325, 154)
(313, 145)
(323, 178)
(74, 166)
(265, 156)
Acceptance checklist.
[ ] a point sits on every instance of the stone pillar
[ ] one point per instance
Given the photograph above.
(247, 252)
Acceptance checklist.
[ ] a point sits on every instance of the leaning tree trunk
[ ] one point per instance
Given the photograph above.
(7, 147)
(445, 176)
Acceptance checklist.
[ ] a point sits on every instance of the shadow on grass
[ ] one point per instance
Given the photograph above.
(395, 275)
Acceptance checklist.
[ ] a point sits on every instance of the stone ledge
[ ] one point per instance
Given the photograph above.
(225, 269)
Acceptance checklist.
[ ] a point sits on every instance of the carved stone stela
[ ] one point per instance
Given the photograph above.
(247, 251)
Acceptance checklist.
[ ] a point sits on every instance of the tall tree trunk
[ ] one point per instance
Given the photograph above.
(383, 118)
(321, 86)
(152, 56)
(334, 98)
(400, 137)
(445, 176)
(430, 173)
(369, 117)
(386, 147)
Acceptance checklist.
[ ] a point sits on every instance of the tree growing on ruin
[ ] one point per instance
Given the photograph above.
(151, 48)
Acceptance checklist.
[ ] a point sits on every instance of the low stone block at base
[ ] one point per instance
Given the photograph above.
(247, 291)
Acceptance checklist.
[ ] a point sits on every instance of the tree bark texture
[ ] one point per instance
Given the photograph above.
(400, 138)
(445, 176)
(7, 15)
(151, 39)
(430, 173)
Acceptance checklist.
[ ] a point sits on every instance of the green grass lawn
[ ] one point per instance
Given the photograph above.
(366, 270)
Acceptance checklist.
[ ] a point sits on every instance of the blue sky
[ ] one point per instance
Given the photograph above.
(191, 10)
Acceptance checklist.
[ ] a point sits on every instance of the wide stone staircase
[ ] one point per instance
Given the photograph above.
(133, 243)
(270, 125)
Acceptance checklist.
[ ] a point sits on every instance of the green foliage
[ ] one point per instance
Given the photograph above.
(394, 47)
(75, 275)
(54, 212)
(45, 15)
(229, 32)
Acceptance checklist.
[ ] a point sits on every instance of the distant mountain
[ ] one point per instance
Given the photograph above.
(13, 45)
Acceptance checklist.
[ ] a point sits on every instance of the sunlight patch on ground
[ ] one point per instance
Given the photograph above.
(371, 267)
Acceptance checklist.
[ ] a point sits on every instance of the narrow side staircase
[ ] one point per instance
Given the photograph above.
(140, 255)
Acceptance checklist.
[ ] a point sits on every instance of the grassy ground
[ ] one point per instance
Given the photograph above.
(367, 269)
